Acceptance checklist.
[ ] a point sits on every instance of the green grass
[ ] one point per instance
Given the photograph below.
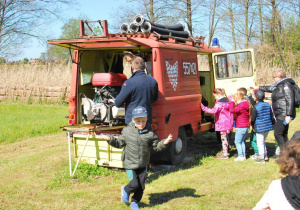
(23, 121)
(34, 174)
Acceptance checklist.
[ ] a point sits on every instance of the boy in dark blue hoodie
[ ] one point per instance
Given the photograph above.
(262, 119)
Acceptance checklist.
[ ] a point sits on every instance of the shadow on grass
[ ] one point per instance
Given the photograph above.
(201, 147)
(160, 198)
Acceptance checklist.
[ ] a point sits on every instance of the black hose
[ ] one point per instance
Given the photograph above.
(148, 28)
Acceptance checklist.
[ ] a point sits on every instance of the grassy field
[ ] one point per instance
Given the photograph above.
(34, 175)
(22, 121)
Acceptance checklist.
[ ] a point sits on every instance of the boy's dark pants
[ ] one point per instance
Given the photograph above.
(280, 132)
(137, 184)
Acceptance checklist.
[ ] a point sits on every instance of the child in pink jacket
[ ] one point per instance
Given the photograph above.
(223, 119)
(241, 110)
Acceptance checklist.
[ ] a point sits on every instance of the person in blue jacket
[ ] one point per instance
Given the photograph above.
(139, 90)
(262, 120)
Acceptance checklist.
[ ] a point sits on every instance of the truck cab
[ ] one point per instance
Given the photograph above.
(186, 70)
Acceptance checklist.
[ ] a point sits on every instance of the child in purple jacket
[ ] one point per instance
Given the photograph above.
(223, 119)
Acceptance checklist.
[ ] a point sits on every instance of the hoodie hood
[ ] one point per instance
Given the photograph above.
(224, 99)
(291, 189)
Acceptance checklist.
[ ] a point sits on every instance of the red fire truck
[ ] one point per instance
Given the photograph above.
(186, 69)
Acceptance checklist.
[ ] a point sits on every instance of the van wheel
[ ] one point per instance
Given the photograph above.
(178, 147)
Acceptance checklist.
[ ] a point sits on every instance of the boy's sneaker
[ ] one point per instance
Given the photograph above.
(259, 161)
(255, 156)
(240, 158)
(134, 206)
(222, 156)
(124, 195)
(266, 158)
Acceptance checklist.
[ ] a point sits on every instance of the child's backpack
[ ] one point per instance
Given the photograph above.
(296, 95)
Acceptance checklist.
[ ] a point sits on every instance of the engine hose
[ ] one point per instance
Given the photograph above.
(148, 28)
(139, 20)
(176, 27)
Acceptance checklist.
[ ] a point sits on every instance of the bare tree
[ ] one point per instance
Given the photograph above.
(272, 23)
(186, 10)
(261, 22)
(189, 15)
(153, 10)
(232, 24)
(246, 6)
(212, 22)
(21, 20)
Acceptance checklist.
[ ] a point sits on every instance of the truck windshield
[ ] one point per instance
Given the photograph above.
(234, 65)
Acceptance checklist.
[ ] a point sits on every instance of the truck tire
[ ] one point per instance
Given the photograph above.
(178, 147)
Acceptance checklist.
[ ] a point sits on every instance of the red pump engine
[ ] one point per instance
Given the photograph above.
(109, 79)
(101, 109)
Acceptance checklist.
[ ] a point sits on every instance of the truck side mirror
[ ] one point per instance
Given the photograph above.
(202, 80)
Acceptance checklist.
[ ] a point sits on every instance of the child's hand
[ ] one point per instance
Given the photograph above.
(230, 98)
(254, 87)
(169, 139)
(102, 136)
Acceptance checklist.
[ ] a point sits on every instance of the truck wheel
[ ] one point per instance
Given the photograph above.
(178, 147)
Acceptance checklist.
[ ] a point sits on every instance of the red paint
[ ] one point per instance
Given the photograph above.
(110, 79)
(174, 66)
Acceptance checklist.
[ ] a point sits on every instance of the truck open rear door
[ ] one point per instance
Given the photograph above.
(234, 69)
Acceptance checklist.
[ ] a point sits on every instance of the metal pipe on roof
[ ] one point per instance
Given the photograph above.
(133, 28)
(124, 28)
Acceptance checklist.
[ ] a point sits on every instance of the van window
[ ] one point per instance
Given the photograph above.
(233, 65)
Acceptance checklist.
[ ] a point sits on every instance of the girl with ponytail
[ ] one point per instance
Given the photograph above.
(223, 119)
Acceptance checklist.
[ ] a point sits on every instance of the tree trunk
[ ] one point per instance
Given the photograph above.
(151, 11)
(272, 25)
(261, 23)
(232, 24)
(246, 23)
(3, 7)
(211, 26)
(189, 15)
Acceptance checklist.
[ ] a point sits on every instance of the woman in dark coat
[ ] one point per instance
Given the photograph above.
(282, 103)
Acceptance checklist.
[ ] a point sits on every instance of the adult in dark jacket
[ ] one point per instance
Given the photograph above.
(140, 90)
(282, 103)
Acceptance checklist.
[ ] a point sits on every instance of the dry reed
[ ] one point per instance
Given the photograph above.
(268, 58)
(30, 81)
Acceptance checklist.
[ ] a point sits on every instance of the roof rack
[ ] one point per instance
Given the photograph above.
(102, 23)
(196, 41)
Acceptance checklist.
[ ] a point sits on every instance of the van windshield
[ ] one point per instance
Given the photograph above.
(234, 65)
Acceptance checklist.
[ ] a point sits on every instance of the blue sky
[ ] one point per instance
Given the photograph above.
(93, 9)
